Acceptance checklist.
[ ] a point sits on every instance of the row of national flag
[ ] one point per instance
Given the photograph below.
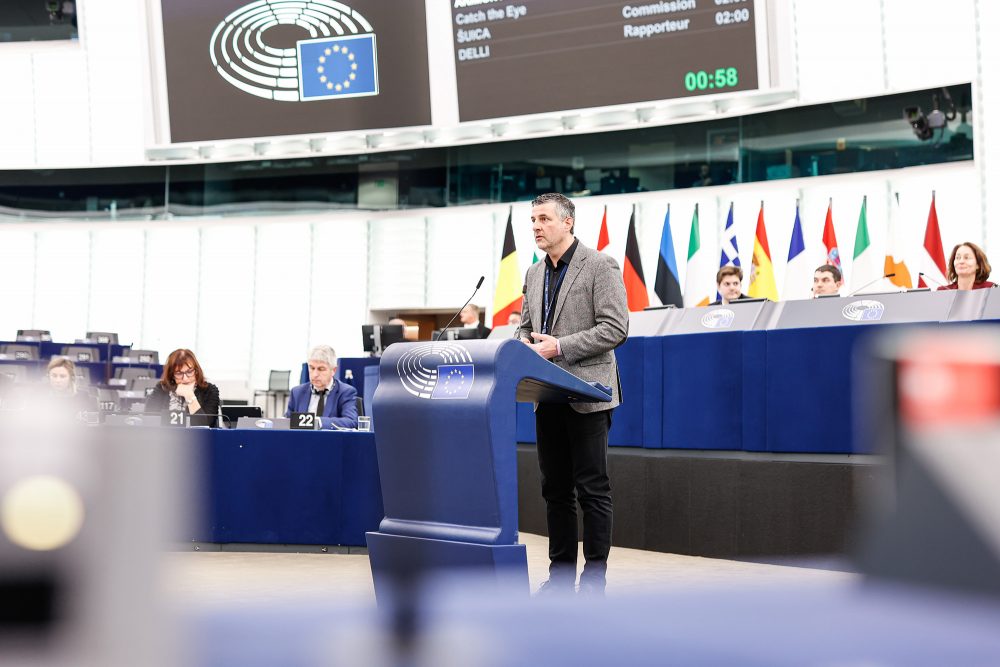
(699, 289)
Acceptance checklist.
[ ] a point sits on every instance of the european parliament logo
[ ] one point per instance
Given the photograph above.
(336, 57)
(423, 374)
(454, 381)
(337, 67)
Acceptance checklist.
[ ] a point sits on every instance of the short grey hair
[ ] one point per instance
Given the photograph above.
(323, 353)
(565, 207)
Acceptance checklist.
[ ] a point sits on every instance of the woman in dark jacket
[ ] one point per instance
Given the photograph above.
(183, 387)
(968, 268)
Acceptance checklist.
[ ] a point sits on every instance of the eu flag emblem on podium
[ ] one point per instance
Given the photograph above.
(454, 381)
(335, 67)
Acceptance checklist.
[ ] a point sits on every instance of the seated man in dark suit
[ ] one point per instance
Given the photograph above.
(729, 282)
(470, 320)
(330, 400)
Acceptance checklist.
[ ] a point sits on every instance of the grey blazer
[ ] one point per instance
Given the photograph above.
(590, 320)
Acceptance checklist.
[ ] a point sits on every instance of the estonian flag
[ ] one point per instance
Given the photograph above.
(667, 285)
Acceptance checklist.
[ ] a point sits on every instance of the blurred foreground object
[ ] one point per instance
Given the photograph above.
(932, 403)
(84, 515)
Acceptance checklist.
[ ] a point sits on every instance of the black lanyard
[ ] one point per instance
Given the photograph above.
(547, 302)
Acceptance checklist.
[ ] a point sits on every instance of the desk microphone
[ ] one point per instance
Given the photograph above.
(870, 283)
(478, 285)
(924, 275)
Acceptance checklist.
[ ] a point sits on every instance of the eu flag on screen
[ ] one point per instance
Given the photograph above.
(335, 67)
(454, 381)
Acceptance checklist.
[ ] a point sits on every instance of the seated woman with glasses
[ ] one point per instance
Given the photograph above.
(183, 387)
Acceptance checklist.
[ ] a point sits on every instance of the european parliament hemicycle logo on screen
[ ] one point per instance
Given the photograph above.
(338, 60)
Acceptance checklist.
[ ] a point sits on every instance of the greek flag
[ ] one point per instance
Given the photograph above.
(335, 67)
(730, 251)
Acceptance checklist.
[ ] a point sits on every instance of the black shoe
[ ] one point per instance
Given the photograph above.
(561, 581)
(594, 579)
(556, 587)
(591, 587)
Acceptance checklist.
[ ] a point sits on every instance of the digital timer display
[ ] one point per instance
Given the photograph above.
(515, 57)
(722, 78)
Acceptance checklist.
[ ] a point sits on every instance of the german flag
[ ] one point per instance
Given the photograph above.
(508, 297)
(635, 282)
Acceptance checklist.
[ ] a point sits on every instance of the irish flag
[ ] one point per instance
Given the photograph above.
(699, 279)
(508, 297)
(865, 271)
(762, 271)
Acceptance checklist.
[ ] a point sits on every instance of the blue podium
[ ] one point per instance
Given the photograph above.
(447, 457)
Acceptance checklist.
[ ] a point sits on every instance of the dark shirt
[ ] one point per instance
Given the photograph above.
(718, 302)
(555, 284)
(983, 285)
(208, 397)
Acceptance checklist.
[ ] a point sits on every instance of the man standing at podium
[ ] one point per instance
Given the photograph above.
(575, 313)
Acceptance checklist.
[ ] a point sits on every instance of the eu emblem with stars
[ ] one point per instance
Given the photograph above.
(454, 381)
(336, 67)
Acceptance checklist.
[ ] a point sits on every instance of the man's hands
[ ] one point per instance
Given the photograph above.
(546, 346)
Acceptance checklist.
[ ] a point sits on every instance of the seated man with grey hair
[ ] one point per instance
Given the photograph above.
(324, 396)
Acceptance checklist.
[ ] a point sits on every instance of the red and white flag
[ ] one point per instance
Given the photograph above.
(603, 241)
(932, 262)
(830, 239)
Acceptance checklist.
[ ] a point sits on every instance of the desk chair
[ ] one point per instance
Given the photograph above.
(33, 335)
(82, 376)
(135, 373)
(75, 352)
(107, 400)
(277, 391)
(145, 385)
(20, 352)
(103, 337)
(143, 356)
(14, 373)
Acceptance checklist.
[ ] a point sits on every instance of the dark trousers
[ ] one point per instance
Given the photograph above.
(573, 459)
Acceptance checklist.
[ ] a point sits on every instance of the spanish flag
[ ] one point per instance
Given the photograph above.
(508, 297)
(762, 271)
(635, 282)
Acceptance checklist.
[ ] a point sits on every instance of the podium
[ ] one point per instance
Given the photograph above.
(447, 457)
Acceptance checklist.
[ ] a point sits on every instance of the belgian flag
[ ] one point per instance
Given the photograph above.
(635, 282)
(508, 297)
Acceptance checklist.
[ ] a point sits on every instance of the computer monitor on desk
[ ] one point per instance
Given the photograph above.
(458, 333)
(377, 337)
(231, 414)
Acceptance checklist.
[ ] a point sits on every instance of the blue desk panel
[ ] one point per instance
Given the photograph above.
(289, 487)
(713, 391)
(627, 418)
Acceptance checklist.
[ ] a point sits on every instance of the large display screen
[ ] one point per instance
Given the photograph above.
(257, 68)
(537, 56)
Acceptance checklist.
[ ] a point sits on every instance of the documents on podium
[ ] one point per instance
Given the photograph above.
(447, 456)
